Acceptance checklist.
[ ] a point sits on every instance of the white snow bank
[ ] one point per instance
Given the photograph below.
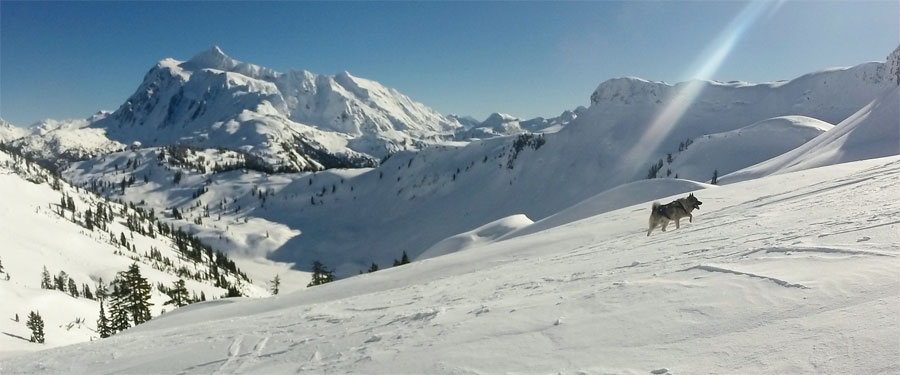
(479, 236)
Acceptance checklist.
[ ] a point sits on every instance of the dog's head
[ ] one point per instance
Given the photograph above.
(693, 202)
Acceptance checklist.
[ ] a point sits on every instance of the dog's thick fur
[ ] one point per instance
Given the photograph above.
(661, 214)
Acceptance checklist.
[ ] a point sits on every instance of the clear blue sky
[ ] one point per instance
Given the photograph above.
(70, 59)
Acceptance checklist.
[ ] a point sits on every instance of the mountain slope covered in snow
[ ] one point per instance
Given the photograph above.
(39, 233)
(767, 279)
(415, 199)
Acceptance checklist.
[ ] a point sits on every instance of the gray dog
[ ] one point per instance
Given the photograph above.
(661, 214)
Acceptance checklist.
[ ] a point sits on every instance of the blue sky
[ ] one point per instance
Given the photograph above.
(70, 59)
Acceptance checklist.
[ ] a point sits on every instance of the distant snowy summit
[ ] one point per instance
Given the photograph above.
(296, 120)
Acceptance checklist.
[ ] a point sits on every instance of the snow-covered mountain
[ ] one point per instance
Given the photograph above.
(871, 132)
(40, 233)
(768, 278)
(500, 124)
(744, 147)
(295, 120)
(57, 143)
(9, 132)
(350, 219)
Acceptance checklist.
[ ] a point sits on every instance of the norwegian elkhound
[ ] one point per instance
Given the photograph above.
(661, 214)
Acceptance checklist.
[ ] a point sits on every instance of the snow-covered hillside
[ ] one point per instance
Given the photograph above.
(794, 273)
(871, 132)
(39, 233)
(729, 151)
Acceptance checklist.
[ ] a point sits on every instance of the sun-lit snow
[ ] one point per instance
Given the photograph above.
(766, 279)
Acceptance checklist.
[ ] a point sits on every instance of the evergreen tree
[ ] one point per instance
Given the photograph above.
(138, 299)
(1, 265)
(73, 288)
(36, 324)
(403, 260)
(60, 281)
(275, 285)
(88, 219)
(321, 275)
(86, 291)
(103, 324)
(70, 203)
(118, 315)
(715, 178)
(45, 279)
(102, 292)
(178, 295)
(373, 267)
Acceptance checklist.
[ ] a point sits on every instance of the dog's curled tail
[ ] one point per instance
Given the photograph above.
(655, 205)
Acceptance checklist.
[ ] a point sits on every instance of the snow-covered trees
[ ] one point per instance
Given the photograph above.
(46, 283)
(36, 324)
(321, 275)
(129, 301)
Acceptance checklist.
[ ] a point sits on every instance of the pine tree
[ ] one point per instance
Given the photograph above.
(61, 280)
(73, 288)
(373, 267)
(46, 283)
(276, 284)
(36, 324)
(321, 275)
(103, 324)
(102, 292)
(178, 295)
(1, 265)
(86, 291)
(403, 260)
(715, 178)
(138, 298)
(88, 219)
(70, 203)
(118, 315)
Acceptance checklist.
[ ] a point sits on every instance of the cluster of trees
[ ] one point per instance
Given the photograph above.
(129, 302)
(534, 141)
(63, 283)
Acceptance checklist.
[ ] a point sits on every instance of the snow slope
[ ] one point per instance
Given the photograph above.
(35, 236)
(663, 189)
(872, 132)
(729, 151)
(477, 237)
(767, 279)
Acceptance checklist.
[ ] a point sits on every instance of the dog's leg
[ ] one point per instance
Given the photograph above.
(652, 225)
(677, 224)
(690, 218)
(665, 223)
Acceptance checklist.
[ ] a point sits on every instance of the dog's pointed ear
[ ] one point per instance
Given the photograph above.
(692, 194)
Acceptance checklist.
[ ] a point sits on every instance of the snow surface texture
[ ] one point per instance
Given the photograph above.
(60, 142)
(35, 236)
(793, 273)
